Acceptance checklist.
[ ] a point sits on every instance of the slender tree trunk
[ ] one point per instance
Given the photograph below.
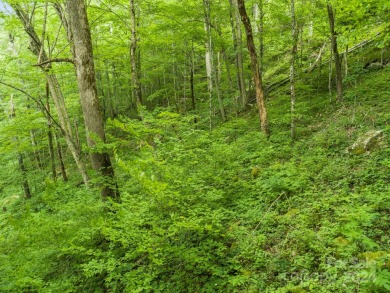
(192, 73)
(26, 187)
(294, 34)
(255, 68)
(218, 86)
(50, 137)
(61, 159)
(135, 83)
(110, 96)
(51, 152)
(208, 56)
(237, 39)
(36, 47)
(85, 71)
(63, 118)
(337, 62)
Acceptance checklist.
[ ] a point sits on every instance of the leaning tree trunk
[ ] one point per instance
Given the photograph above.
(36, 47)
(337, 61)
(85, 71)
(255, 68)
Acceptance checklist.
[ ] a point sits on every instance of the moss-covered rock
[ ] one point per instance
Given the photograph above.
(366, 143)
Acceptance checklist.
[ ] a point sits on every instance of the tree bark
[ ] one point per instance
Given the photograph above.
(255, 69)
(85, 72)
(337, 62)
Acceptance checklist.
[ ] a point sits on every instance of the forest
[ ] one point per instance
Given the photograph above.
(195, 146)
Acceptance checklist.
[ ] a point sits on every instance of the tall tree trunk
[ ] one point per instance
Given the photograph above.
(85, 71)
(208, 56)
(63, 118)
(255, 68)
(237, 40)
(36, 47)
(294, 35)
(337, 62)
(135, 83)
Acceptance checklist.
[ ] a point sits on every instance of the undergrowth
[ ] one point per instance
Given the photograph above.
(221, 211)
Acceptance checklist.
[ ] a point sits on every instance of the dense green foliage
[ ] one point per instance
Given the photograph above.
(200, 210)
(226, 211)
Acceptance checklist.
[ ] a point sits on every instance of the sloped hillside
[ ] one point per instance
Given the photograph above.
(226, 211)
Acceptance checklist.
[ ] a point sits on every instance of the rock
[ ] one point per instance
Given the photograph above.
(375, 66)
(366, 143)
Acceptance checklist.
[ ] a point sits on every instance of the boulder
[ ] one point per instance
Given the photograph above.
(375, 66)
(366, 143)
